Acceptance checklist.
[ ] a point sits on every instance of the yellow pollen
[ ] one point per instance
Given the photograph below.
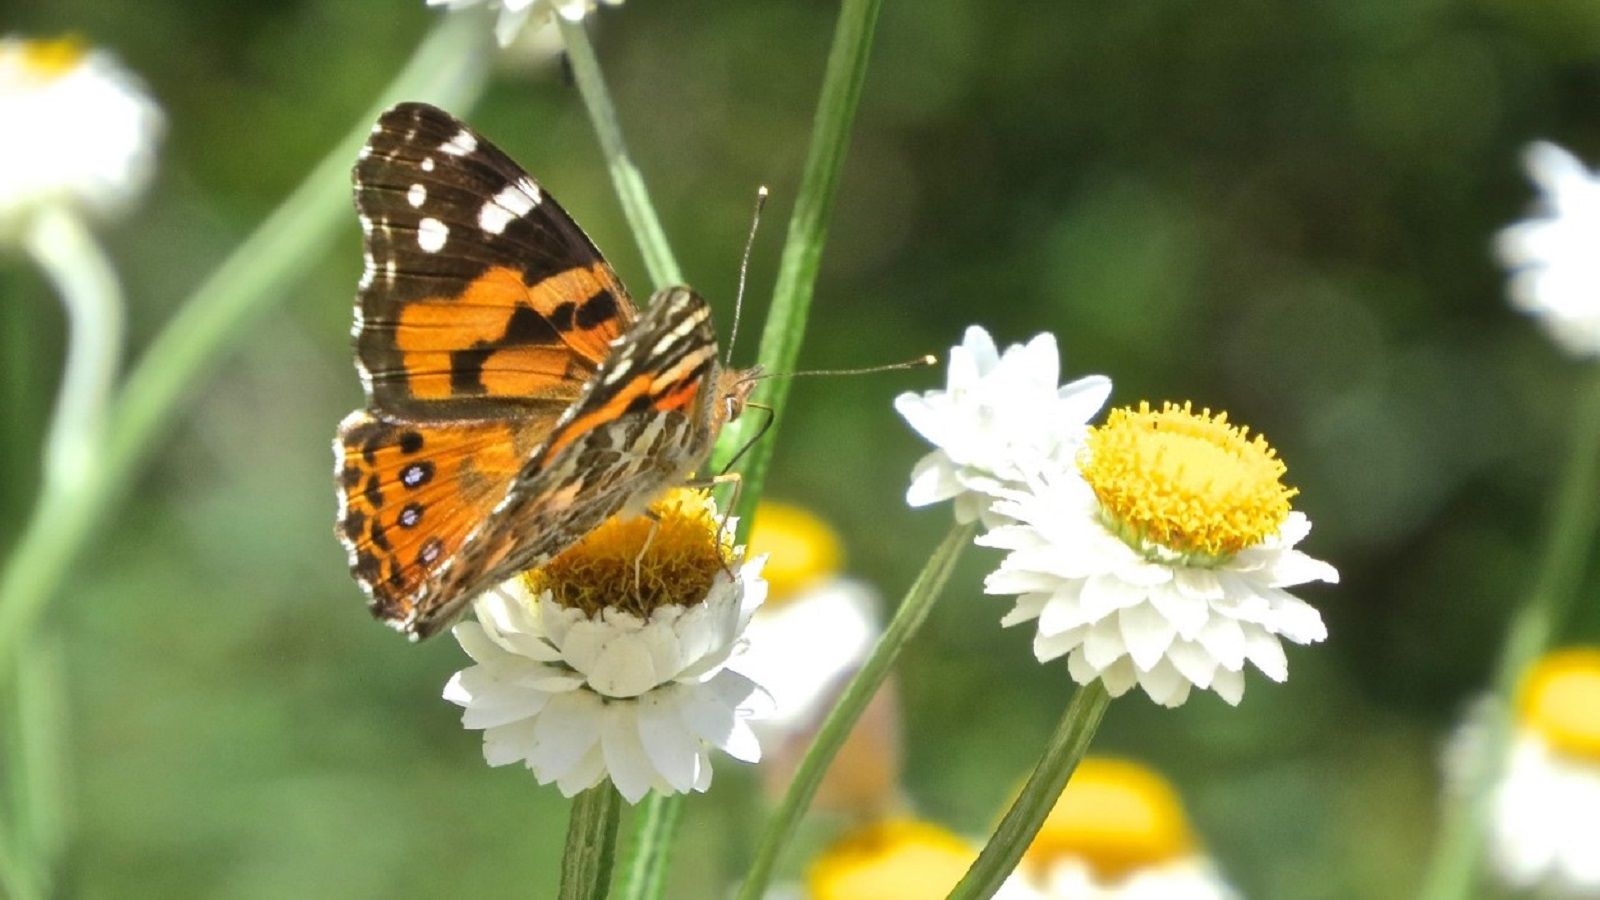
(1188, 482)
(1116, 817)
(899, 859)
(622, 564)
(802, 550)
(1560, 700)
(50, 59)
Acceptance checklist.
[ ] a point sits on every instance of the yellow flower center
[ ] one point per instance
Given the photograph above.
(802, 550)
(52, 59)
(900, 859)
(1187, 482)
(639, 564)
(1115, 816)
(1560, 700)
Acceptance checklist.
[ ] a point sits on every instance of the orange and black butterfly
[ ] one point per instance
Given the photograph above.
(516, 397)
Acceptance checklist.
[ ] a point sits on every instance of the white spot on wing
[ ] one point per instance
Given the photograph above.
(431, 235)
(417, 195)
(460, 145)
(427, 164)
(513, 201)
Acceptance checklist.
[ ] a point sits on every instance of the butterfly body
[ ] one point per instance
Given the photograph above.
(516, 398)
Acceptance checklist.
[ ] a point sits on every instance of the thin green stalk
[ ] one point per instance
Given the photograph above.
(1023, 820)
(644, 874)
(91, 294)
(808, 230)
(591, 843)
(38, 755)
(449, 68)
(1571, 535)
(636, 206)
(908, 620)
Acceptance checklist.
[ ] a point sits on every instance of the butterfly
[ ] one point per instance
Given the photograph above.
(515, 396)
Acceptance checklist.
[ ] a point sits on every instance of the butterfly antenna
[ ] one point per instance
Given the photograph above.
(744, 270)
(927, 359)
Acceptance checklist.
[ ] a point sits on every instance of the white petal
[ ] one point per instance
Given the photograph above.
(626, 761)
(567, 729)
(1297, 620)
(508, 743)
(1048, 647)
(1192, 659)
(932, 480)
(671, 748)
(1105, 594)
(1263, 649)
(1223, 638)
(1187, 614)
(1162, 683)
(1027, 608)
(1065, 610)
(1229, 685)
(585, 774)
(1146, 632)
(1083, 398)
(1103, 645)
(1119, 678)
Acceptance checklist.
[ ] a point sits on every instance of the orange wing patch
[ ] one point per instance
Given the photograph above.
(410, 495)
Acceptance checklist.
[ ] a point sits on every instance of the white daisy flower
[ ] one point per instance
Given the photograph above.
(1555, 272)
(589, 669)
(1161, 561)
(515, 15)
(1000, 417)
(1543, 832)
(1119, 832)
(80, 131)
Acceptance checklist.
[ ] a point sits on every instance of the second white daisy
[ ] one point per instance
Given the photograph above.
(1162, 560)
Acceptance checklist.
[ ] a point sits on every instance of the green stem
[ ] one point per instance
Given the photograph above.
(908, 620)
(636, 206)
(1570, 536)
(808, 230)
(450, 68)
(1023, 820)
(92, 296)
(37, 758)
(644, 875)
(591, 843)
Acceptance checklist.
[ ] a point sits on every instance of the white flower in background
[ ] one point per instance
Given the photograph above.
(816, 627)
(1118, 832)
(1000, 417)
(1544, 830)
(896, 859)
(586, 670)
(80, 131)
(1161, 561)
(1555, 271)
(515, 15)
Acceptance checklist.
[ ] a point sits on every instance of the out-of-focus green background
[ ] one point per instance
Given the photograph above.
(1283, 209)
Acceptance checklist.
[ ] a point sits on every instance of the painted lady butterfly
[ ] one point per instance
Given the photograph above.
(516, 398)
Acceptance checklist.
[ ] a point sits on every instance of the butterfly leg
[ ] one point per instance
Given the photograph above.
(735, 479)
(638, 577)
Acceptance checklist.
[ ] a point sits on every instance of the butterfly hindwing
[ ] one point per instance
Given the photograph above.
(479, 295)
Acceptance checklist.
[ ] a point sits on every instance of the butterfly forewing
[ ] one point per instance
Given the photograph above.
(479, 295)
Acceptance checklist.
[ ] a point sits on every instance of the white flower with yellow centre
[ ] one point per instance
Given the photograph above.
(1118, 832)
(897, 859)
(515, 15)
(80, 131)
(1555, 272)
(608, 664)
(1545, 820)
(1162, 560)
(1000, 417)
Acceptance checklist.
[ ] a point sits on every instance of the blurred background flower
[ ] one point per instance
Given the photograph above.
(81, 130)
(1544, 829)
(1555, 273)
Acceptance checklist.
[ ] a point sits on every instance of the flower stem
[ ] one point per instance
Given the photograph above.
(802, 250)
(908, 620)
(591, 843)
(36, 754)
(644, 874)
(1574, 517)
(92, 296)
(1023, 820)
(636, 206)
(449, 67)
